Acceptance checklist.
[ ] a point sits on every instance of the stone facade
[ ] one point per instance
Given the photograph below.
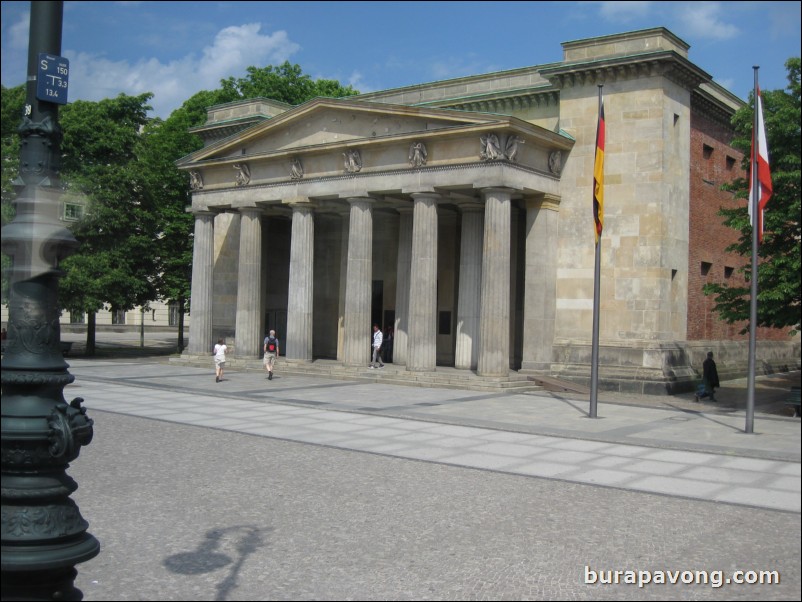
(458, 214)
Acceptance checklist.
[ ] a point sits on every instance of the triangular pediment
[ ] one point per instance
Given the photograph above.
(326, 122)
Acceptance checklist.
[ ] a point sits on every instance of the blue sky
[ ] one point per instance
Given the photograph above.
(174, 49)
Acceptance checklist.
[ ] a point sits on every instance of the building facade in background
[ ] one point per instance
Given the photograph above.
(458, 214)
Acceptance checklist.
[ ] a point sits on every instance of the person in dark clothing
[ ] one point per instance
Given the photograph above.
(709, 378)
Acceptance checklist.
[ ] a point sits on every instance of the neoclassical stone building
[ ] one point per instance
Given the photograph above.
(458, 213)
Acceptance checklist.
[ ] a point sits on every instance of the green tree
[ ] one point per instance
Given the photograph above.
(286, 83)
(779, 267)
(114, 264)
(13, 100)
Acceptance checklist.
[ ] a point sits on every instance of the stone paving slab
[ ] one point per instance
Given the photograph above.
(718, 431)
(566, 445)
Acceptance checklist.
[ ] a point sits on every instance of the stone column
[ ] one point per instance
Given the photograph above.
(470, 281)
(494, 321)
(401, 327)
(540, 288)
(249, 284)
(356, 346)
(200, 325)
(422, 343)
(302, 260)
(346, 224)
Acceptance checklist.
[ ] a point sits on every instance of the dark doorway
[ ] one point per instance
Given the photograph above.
(377, 303)
(276, 319)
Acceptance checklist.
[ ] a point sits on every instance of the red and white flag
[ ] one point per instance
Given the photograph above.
(762, 169)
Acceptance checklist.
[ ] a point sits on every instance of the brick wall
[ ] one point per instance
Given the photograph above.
(713, 163)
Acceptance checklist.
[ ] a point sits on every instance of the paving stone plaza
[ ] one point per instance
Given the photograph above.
(309, 488)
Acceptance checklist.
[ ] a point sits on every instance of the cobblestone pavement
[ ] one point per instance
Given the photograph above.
(306, 488)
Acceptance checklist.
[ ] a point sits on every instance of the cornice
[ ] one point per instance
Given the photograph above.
(501, 102)
(707, 106)
(668, 64)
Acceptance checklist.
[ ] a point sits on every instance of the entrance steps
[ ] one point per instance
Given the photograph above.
(444, 377)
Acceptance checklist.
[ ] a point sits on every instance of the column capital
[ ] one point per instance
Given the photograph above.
(302, 207)
(485, 190)
(550, 202)
(300, 201)
(426, 194)
(467, 206)
(353, 200)
(200, 212)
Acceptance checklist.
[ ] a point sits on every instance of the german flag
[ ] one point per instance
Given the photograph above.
(598, 175)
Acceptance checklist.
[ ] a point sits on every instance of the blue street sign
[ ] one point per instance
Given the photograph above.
(51, 79)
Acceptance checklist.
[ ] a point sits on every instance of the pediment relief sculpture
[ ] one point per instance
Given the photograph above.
(353, 161)
(491, 147)
(491, 150)
(296, 169)
(417, 154)
(243, 176)
(511, 148)
(555, 162)
(195, 180)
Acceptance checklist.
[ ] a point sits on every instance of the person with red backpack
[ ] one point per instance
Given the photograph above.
(271, 353)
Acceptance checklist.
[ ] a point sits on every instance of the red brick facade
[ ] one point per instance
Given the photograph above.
(713, 163)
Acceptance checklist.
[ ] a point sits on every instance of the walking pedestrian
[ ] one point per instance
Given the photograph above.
(378, 338)
(271, 350)
(219, 359)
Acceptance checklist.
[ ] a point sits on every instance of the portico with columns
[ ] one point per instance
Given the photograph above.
(409, 213)
(458, 215)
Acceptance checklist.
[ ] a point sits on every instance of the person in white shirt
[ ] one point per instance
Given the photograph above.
(378, 338)
(219, 359)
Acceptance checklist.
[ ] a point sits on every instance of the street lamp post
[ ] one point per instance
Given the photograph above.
(43, 533)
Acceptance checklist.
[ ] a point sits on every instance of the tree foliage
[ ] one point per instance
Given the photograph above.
(114, 263)
(779, 284)
(286, 83)
(13, 99)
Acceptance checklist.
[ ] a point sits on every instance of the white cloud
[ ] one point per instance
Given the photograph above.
(19, 32)
(705, 19)
(234, 49)
(623, 12)
(357, 83)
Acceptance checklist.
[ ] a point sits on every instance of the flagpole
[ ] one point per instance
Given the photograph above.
(754, 201)
(594, 356)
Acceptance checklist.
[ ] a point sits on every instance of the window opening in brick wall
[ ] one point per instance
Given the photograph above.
(707, 151)
(706, 268)
(728, 271)
(730, 163)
